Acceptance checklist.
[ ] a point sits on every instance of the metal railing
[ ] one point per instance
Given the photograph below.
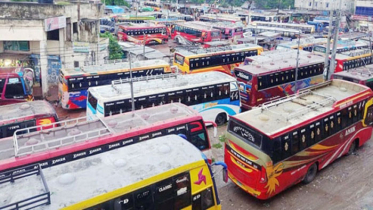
(31, 202)
(57, 142)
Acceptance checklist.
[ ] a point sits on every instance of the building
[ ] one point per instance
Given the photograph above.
(364, 8)
(48, 37)
(324, 5)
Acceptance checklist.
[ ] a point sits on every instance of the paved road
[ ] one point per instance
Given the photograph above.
(345, 184)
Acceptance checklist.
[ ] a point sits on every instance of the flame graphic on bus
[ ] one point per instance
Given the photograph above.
(44, 122)
(272, 174)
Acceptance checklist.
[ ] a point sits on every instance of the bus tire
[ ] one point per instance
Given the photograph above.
(311, 174)
(221, 119)
(353, 147)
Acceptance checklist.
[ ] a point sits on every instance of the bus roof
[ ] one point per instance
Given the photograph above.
(111, 68)
(194, 25)
(26, 109)
(272, 28)
(273, 62)
(218, 24)
(108, 93)
(142, 26)
(347, 43)
(284, 24)
(276, 116)
(83, 179)
(214, 50)
(364, 73)
(113, 125)
(304, 42)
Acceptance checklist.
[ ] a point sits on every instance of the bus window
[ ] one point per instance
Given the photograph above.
(203, 200)
(304, 138)
(143, 198)
(285, 146)
(332, 125)
(318, 131)
(2, 83)
(369, 84)
(262, 82)
(199, 140)
(92, 101)
(14, 88)
(141, 103)
(295, 142)
(369, 116)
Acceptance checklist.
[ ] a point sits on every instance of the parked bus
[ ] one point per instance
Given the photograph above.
(274, 77)
(16, 86)
(342, 46)
(155, 5)
(72, 139)
(74, 83)
(164, 173)
(284, 32)
(213, 94)
(304, 28)
(360, 75)
(24, 115)
(271, 148)
(134, 19)
(306, 44)
(227, 31)
(353, 59)
(150, 34)
(319, 26)
(194, 33)
(223, 59)
(220, 18)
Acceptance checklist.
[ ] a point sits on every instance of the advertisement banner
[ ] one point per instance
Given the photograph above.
(55, 23)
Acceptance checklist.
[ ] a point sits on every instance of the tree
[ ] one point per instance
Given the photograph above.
(116, 2)
(115, 51)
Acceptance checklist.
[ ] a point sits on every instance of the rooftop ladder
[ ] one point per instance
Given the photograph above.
(64, 133)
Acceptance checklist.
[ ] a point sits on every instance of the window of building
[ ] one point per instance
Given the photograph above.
(17, 45)
(53, 35)
(327, 5)
(75, 28)
(310, 4)
(76, 64)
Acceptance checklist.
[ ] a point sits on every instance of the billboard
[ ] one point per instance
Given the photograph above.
(54, 23)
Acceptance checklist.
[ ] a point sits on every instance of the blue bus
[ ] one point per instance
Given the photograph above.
(213, 94)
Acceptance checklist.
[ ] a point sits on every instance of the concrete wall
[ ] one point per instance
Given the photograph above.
(42, 11)
(347, 5)
(31, 30)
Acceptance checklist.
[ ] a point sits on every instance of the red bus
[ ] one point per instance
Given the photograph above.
(194, 32)
(227, 30)
(353, 59)
(16, 86)
(151, 34)
(24, 115)
(362, 75)
(78, 138)
(272, 76)
(271, 148)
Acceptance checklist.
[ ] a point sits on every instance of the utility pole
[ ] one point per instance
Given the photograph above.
(335, 38)
(131, 82)
(327, 53)
(297, 64)
(144, 44)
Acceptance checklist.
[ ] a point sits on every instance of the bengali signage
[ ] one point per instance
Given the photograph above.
(81, 47)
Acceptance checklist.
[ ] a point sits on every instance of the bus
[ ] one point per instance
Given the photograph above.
(155, 5)
(74, 83)
(24, 115)
(319, 26)
(140, 34)
(304, 28)
(274, 76)
(220, 18)
(360, 75)
(223, 59)
(194, 33)
(164, 173)
(213, 94)
(282, 143)
(134, 19)
(77, 138)
(16, 86)
(228, 31)
(284, 32)
(342, 46)
(353, 59)
(306, 44)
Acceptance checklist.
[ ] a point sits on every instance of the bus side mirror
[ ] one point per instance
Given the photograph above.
(215, 127)
(225, 169)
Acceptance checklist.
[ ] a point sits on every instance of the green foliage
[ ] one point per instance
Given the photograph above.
(115, 51)
(217, 146)
(222, 138)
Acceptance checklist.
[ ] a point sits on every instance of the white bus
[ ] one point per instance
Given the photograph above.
(213, 94)
(305, 28)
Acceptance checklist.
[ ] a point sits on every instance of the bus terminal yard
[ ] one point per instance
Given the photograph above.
(212, 114)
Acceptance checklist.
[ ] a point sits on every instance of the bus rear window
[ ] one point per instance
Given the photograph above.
(14, 88)
(2, 83)
(244, 133)
(243, 75)
(179, 59)
(215, 34)
(92, 101)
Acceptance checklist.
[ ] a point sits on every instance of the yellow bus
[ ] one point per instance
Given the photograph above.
(223, 59)
(161, 174)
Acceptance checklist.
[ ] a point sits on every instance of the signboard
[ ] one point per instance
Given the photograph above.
(81, 47)
(54, 23)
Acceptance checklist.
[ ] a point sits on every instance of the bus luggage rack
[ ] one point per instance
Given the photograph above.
(29, 140)
(137, 79)
(31, 202)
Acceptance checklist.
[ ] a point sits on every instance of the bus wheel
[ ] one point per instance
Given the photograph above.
(311, 174)
(221, 119)
(353, 148)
